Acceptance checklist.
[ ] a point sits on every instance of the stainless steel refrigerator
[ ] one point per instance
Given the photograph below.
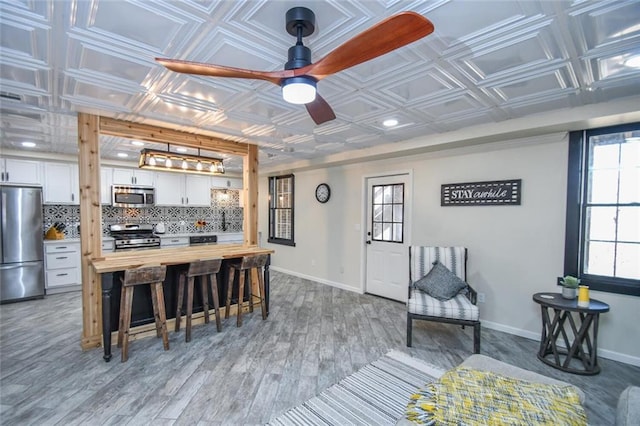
(21, 248)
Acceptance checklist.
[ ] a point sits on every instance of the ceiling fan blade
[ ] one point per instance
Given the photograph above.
(390, 34)
(320, 111)
(211, 70)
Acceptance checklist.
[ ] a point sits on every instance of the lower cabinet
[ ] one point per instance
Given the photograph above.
(231, 238)
(62, 266)
(174, 241)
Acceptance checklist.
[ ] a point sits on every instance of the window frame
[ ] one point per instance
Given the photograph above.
(273, 208)
(575, 218)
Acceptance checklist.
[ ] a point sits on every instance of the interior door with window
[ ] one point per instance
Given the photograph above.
(388, 224)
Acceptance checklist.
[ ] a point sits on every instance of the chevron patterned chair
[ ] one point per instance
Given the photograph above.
(424, 270)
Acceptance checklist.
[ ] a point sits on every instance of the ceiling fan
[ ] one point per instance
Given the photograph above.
(299, 77)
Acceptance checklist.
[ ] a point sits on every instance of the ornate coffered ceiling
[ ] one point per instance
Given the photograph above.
(487, 62)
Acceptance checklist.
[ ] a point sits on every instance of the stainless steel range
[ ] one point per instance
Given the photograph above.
(133, 236)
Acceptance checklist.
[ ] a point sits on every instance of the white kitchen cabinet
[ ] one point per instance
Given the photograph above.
(108, 245)
(231, 238)
(175, 189)
(14, 170)
(226, 182)
(62, 266)
(197, 190)
(61, 183)
(106, 180)
(174, 241)
(169, 189)
(133, 177)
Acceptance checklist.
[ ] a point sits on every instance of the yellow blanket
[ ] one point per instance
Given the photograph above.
(464, 396)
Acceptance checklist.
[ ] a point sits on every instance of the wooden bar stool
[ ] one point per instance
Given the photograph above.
(244, 268)
(152, 276)
(202, 269)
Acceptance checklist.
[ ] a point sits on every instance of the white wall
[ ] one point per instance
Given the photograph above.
(514, 251)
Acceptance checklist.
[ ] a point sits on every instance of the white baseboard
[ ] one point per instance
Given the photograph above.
(316, 279)
(604, 353)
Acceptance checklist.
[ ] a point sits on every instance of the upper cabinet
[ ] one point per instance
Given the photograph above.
(133, 177)
(169, 189)
(20, 171)
(226, 183)
(106, 180)
(198, 190)
(175, 189)
(61, 183)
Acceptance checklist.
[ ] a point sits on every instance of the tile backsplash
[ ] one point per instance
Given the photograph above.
(224, 214)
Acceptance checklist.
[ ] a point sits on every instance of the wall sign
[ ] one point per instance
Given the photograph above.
(492, 193)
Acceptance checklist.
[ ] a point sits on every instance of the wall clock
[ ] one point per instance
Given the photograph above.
(323, 193)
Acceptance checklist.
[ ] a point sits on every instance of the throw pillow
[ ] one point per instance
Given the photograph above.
(440, 282)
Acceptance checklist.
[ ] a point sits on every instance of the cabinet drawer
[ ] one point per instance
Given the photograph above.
(108, 246)
(174, 241)
(60, 277)
(62, 260)
(62, 248)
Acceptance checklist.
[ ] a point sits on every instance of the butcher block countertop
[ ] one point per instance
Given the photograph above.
(112, 262)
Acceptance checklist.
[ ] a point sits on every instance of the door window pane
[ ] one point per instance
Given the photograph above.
(388, 213)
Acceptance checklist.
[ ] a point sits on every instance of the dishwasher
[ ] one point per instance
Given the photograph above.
(201, 240)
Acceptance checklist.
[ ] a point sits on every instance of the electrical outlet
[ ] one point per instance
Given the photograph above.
(480, 297)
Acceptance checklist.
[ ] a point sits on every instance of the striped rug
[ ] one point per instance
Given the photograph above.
(377, 394)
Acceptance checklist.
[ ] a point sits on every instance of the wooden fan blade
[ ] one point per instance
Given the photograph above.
(211, 70)
(390, 34)
(319, 110)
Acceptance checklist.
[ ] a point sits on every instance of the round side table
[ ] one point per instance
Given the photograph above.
(580, 337)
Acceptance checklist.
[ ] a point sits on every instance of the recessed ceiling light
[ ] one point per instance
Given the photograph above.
(390, 122)
(633, 61)
(123, 155)
(181, 149)
(137, 143)
(29, 144)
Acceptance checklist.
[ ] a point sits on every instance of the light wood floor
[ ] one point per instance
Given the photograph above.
(315, 336)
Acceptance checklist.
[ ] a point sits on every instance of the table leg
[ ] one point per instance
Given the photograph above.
(266, 282)
(595, 368)
(575, 350)
(107, 285)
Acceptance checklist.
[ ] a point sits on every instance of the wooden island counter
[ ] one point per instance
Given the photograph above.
(111, 267)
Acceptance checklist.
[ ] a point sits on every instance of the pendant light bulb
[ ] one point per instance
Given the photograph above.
(152, 161)
(185, 165)
(168, 162)
(199, 166)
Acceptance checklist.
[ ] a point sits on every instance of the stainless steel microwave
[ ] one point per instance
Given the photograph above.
(132, 196)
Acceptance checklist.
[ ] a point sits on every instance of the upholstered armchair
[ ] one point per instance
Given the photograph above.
(438, 290)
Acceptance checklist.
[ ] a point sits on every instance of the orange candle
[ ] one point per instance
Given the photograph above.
(583, 296)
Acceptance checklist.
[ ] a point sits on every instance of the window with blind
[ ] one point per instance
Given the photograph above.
(281, 210)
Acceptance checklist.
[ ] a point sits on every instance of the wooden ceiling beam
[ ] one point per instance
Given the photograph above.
(146, 132)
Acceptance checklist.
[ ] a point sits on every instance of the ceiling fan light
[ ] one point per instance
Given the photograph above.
(633, 61)
(299, 90)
